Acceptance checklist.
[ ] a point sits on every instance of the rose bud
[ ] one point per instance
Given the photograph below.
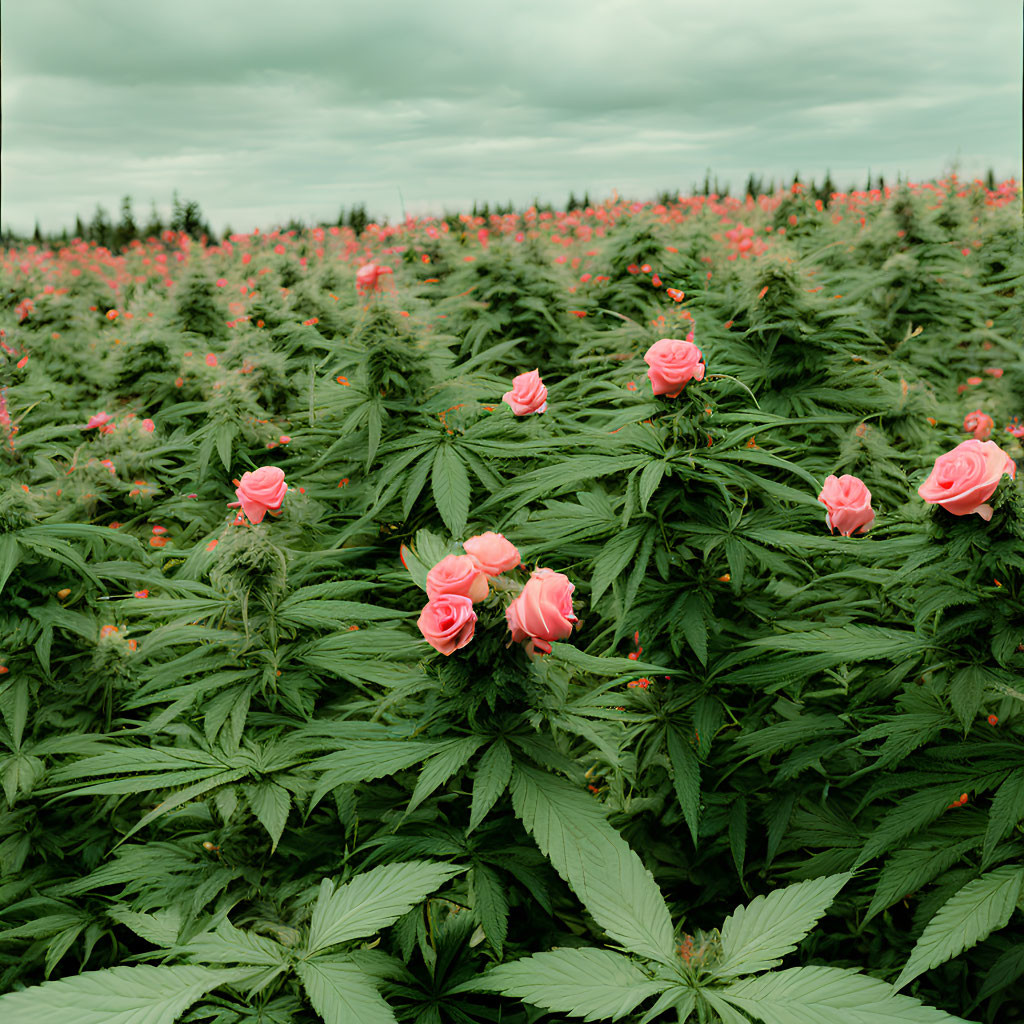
(673, 364)
(492, 553)
(448, 622)
(528, 394)
(963, 479)
(457, 574)
(260, 492)
(543, 609)
(849, 505)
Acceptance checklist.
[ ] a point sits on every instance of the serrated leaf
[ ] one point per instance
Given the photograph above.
(980, 907)
(270, 803)
(595, 984)
(827, 995)
(14, 704)
(694, 626)
(363, 760)
(442, 766)
(613, 558)
(1006, 810)
(685, 779)
(682, 1000)
(490, 904)
(231, 945)
(966, 692)
(450, 484)
(372, 900)
(649, 479)
(120, 995)
(160, 927)
(756, 937)
(10, 555)
(599, 865)
(493, 771)
(342, 994)
(1005, 971)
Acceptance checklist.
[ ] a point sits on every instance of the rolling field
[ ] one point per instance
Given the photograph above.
(606, 614)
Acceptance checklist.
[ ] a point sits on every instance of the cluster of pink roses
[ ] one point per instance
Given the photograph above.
(673, 364)
(104, 422)
(541, 612)
(961, 481)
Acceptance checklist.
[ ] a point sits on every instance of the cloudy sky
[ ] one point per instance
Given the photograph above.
(262, 110)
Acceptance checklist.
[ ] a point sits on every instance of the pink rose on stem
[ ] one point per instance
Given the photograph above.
(543, 610)
(457, 575)
(492, 553)
(260, 492)
(368, 277)
(673, 364)
(528, 394)
(979, 424)
(849, 505)
(448, 622)
(963, 480)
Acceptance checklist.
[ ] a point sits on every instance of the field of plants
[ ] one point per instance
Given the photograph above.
(611, 614)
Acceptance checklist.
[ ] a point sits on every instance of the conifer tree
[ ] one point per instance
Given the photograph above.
(100, 229)
(126, 230)
(358, 218)
(154, 226)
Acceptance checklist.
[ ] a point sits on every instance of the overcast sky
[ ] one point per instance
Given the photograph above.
(263, 110)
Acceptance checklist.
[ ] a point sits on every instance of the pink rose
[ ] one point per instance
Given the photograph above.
(673, 364)
(97, 420)
(849, 505)
(456, 575)
(492, 553)
(979, 424)
(368, 277)
(448, 622)
(528, 394)
(965, 478)
(260, 492)
(543, 609)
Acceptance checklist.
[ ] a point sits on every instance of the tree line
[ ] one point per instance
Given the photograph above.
(187, 217)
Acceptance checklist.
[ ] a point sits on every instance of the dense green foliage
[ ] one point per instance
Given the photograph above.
(775, 774)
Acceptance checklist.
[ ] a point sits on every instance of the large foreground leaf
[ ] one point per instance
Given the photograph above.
(827, 995)
(967, 917)
(121, 995)
(572, 831)
(757, 936)
(372, 901)
(595, 984)
(342, 994)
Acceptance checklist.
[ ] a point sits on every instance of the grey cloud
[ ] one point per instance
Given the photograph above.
(262, 112)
